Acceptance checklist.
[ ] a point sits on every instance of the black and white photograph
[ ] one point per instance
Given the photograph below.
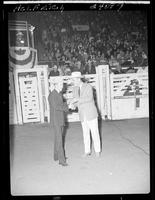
(79, 98)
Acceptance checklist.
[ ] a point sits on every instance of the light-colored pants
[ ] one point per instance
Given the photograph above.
(92, 126)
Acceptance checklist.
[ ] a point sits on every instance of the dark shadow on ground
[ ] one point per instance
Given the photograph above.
(100, 129)
(64, 134)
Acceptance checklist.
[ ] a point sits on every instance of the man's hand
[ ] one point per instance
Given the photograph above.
(71, 106)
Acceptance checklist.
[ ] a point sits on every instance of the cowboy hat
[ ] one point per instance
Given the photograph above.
(76, 74)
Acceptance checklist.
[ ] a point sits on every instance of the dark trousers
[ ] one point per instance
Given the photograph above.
(59, 153)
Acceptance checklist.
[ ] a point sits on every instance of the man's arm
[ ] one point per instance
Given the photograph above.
(58, 104)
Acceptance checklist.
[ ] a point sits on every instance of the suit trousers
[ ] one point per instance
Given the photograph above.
(59, 153)
(91, 126)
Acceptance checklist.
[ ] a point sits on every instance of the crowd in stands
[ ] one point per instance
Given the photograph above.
(117, 39)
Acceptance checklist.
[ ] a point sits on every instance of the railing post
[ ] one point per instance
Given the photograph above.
(17, 95)
(40, 96)
(104, 90)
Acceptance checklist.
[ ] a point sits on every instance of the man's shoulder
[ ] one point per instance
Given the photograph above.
(53, 92)
(87, 85)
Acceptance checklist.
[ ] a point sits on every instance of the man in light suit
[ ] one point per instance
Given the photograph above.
(57, 120)
(83, 98)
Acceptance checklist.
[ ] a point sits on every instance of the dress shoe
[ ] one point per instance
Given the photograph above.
(63, 164)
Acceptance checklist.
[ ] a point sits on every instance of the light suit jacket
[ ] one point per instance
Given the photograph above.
(86, 104)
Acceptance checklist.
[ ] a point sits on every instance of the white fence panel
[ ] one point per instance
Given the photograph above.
(117, 96)
(43, 84)
(41, 75)
(129, 96)
(29, 99)
(104, 91)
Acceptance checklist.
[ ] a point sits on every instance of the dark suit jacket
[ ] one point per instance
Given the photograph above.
(57, 109)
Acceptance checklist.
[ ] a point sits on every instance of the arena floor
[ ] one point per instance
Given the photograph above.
(123, 168)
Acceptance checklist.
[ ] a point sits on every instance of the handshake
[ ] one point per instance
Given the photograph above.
(72, 104)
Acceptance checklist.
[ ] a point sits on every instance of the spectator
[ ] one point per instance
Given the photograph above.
(58, 55)
(67, 71)
(131, 70)
(144, 59)
(90, 67)
(124, 39)
(54, 71)
(103, 59)
(142, 69)
(113, 62)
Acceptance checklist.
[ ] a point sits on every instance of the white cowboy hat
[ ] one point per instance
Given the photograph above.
(76, 75)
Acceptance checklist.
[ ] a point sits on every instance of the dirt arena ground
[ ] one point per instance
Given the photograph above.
(123, 168)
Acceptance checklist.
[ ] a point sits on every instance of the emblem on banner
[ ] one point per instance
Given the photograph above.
(25, 56)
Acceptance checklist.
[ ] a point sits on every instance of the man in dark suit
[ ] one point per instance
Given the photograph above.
(57, 120)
